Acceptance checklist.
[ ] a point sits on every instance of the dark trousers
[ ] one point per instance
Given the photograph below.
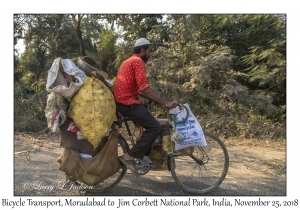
(139, 114)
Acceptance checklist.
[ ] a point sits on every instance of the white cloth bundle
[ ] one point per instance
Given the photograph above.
(68, 66)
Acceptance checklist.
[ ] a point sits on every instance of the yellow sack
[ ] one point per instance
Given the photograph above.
(93, 110)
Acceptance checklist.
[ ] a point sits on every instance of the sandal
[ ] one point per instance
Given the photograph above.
(130, 164)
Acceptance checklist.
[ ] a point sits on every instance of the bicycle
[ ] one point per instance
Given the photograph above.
(197, 172)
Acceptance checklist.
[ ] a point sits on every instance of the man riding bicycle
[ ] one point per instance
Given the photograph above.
(130, 83)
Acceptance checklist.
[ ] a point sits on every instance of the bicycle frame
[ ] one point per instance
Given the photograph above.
(199, 171)
(122, 119)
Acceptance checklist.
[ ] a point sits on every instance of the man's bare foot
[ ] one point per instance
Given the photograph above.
(126, 156)
(129, 162)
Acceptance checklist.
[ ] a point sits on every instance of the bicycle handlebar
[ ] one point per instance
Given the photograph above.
(173, 116)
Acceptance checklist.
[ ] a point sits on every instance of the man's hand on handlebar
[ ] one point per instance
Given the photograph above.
(170, 104)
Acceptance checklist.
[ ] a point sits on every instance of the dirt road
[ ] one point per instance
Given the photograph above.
(257, 168)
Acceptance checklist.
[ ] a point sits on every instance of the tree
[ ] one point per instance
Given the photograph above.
(266, 58)
(223, 65)
(76, 23)
(46, 37)
(106, 49)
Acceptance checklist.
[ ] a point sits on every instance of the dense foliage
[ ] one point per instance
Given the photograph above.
(231, 69)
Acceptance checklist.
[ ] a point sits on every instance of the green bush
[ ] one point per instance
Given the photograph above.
(29, 113)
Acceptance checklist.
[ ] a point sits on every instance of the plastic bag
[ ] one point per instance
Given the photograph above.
(187, 124)
(56, 111)
(72, 128)
(176, 135)
(58, 84)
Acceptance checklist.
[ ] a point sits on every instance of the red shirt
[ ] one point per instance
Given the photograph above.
(130, 81)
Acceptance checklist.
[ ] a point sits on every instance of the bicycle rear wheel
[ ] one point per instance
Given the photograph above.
(204, 170)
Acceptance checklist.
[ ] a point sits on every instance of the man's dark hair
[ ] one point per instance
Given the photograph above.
(138, 49)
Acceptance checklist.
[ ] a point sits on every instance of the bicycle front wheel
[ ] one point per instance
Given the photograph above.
(203, 170)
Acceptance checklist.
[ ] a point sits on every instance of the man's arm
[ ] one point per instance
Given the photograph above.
(151, 95)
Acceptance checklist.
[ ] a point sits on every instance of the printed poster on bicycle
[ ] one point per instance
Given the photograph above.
(186, 123)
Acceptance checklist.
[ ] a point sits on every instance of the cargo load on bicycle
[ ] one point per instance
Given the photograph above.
(85, 120)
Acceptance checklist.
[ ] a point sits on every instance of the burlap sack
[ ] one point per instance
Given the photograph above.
(90, 67)
(95, 170)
